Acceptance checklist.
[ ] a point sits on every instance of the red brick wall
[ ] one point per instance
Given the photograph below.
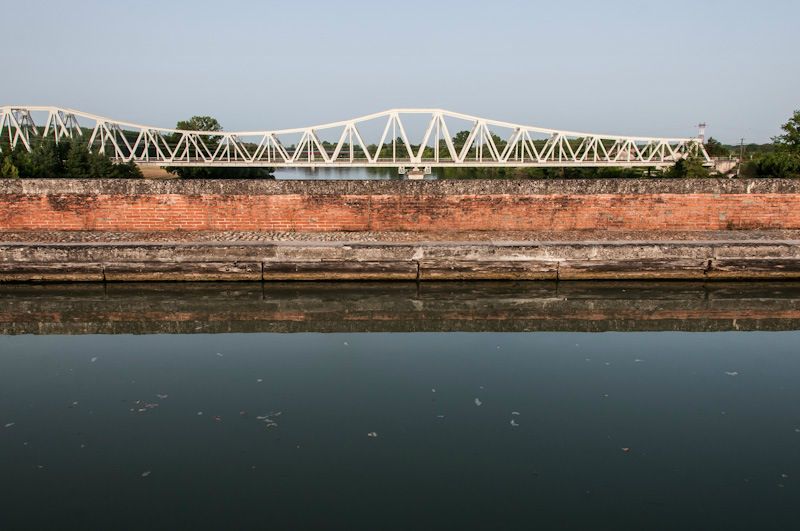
(387, 212)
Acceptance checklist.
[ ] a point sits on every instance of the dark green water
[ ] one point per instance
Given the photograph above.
(107, 431)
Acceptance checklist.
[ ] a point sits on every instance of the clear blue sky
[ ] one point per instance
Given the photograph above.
(630, 67)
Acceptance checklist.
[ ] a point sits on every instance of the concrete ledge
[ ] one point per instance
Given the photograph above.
(384, 260)
(755, 268)
(485, 270)
(51, 272)
(340, 270)
(669, 269)
(183, 271)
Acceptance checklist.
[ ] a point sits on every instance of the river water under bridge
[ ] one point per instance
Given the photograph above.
(400, 406)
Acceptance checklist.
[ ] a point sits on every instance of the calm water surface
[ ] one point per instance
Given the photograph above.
(444, 430)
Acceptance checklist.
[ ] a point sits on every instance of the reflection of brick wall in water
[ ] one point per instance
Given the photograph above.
(389, 206)
(203, 308)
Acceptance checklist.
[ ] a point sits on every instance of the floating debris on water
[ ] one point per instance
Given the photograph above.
(162, 397)
(144, 406)
(199, 413)
(220, 354)
(10, 425)
(269, 419)
(146, 473)
(732, 373)
(515, 412)
(433, 390)
(626, 450)
(514, 423)
(439, 416)
(259, 380)
(637, 360)
(346, 344)
(478, 402)
(372, 434)
(94, 359)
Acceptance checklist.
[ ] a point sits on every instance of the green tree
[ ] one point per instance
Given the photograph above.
(100, 166)
(691, 168)
(209, 123)
(460, 139)
(714, 148)
(77, 163)
(199, 123)
(790, 139)
(22, 160)
(783, 161)
(45, 160)
(8, 170)
(127, 170)
(68, 158)
(778, 164)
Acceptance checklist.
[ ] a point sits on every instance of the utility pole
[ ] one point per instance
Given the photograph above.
(741, 157)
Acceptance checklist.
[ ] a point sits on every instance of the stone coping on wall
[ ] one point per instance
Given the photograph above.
(718, 237)
(235, 187)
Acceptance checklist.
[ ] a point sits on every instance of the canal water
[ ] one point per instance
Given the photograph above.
(457, 406)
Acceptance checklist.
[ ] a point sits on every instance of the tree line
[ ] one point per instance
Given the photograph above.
(69, 158)
(778, 159)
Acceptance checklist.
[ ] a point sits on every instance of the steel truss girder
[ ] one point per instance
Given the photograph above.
(489, 143)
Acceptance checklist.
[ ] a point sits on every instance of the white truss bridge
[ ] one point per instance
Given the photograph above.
(402, 138)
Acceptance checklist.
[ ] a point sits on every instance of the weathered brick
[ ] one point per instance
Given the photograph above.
(622, 205)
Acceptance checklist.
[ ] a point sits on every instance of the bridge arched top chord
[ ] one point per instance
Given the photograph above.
(394, 138)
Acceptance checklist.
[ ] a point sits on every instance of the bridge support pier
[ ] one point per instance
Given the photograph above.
(415, 174)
